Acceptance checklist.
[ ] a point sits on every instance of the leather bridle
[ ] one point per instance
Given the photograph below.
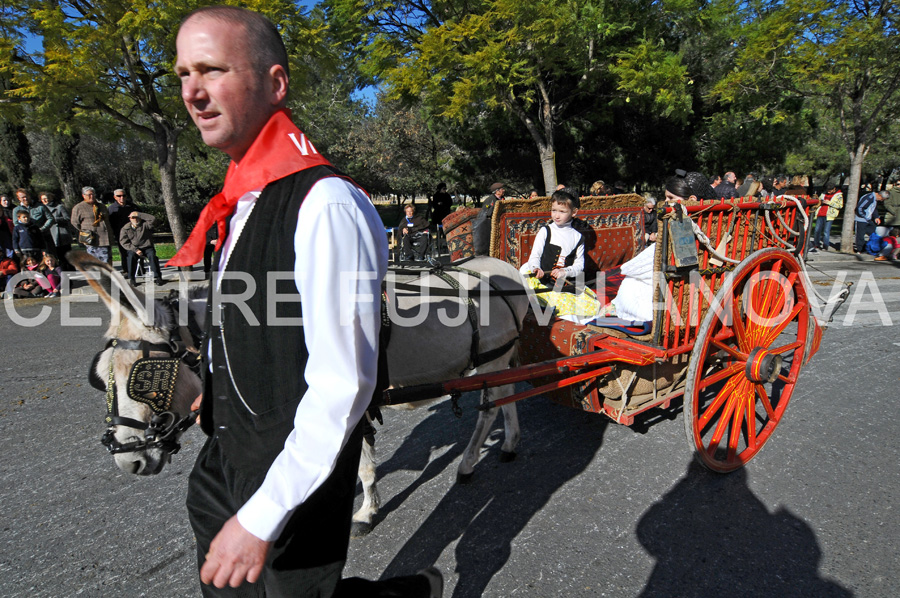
(151, 382)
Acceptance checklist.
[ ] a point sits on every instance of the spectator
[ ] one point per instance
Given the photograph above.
(726, 188)
(50, 275)
(60, 232)
(650, 221)
(481, 227)
(533, 194)
(867, 218)
(29, 288)
(744, 190)
(441, 204)
(891, 246)
(797, 186)
(6, 207)
(6, 235)
(892, 206)
(118, 218)
(91, 218)
(415, 239)
(832, 202)
(27, 238)
(715, 181)
(39, 216)
(9, 267)
(599, 188)
(137, 239)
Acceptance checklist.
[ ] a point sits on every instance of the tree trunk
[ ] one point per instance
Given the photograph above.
(166, 158)
(856, 163)
(63, 153)
(548, 166)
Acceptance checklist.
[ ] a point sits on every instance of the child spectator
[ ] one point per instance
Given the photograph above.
(891, 246)
(29, 288)
(557, 254)
(9, 267)
(50, 275)
(27, 238)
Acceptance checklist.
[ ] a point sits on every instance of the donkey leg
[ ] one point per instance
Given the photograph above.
(473, 450)
(362, 519)
(511, 429)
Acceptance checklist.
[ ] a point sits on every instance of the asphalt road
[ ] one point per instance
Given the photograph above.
(589, 508)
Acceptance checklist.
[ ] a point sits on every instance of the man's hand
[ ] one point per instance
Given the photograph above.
(235, 556)
(195, 406)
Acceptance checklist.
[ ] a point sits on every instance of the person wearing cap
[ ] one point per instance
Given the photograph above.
(137, 239)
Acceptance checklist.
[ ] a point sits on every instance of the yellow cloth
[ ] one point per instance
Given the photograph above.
(583, 307)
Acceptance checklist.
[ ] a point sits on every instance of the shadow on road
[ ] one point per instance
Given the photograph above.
(712, 536)
(487, 514)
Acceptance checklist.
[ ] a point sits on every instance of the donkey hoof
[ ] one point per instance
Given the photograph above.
(359, 529)
(464, 478)
(507, 456)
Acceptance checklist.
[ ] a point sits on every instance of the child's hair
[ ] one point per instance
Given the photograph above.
(25, 214)
(50, 260)
(564, 197)
(30, 259)
(895, 232)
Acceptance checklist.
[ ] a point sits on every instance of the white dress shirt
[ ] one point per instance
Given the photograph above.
(567, 238)
(341, 259)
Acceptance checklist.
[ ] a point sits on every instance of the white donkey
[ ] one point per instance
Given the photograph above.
(146, 366)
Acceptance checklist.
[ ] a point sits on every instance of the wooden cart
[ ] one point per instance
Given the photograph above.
(733, 320)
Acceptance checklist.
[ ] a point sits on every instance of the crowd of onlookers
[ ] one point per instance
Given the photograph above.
(37, 236)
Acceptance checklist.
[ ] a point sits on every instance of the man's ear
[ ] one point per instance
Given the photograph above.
(278, 79)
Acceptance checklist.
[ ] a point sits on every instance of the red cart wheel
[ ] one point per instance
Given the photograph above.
(746, 359)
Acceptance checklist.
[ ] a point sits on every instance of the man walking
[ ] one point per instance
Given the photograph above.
(271, 494)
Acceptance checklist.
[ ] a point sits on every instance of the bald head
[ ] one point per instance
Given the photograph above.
(260, 36)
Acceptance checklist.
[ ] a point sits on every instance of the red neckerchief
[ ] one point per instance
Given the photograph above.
(279, 150)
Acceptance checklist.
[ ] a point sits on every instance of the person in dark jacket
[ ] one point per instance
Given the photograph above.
(27, 237)
(119, 212)
(726, 188)
(651, 226)
(137, 239)
(415, 239)
(441, 204)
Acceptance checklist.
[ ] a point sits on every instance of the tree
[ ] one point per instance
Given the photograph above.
(543, 61)
(845, 55)
(112, 62)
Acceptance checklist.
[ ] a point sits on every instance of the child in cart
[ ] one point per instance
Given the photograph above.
(557, 258)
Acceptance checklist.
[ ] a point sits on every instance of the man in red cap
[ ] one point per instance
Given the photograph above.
(287, 377)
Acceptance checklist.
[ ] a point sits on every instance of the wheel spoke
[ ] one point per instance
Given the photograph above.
(742, 398)
(771, 334)
(730, 350)
(722, 424)
(731, 370)
(751, 423)
(789, 347)
(737, 324)
(764, 399)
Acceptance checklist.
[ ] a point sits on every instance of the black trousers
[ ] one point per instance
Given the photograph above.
(416, 244)
(150, 254)
(308, 558)
(862, 230)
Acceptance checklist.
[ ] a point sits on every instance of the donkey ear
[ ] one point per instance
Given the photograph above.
(119, 296)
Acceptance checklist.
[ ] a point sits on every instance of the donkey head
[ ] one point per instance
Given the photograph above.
(145, 368)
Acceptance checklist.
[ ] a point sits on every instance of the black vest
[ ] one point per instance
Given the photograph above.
(549, 258)
(259, 361)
